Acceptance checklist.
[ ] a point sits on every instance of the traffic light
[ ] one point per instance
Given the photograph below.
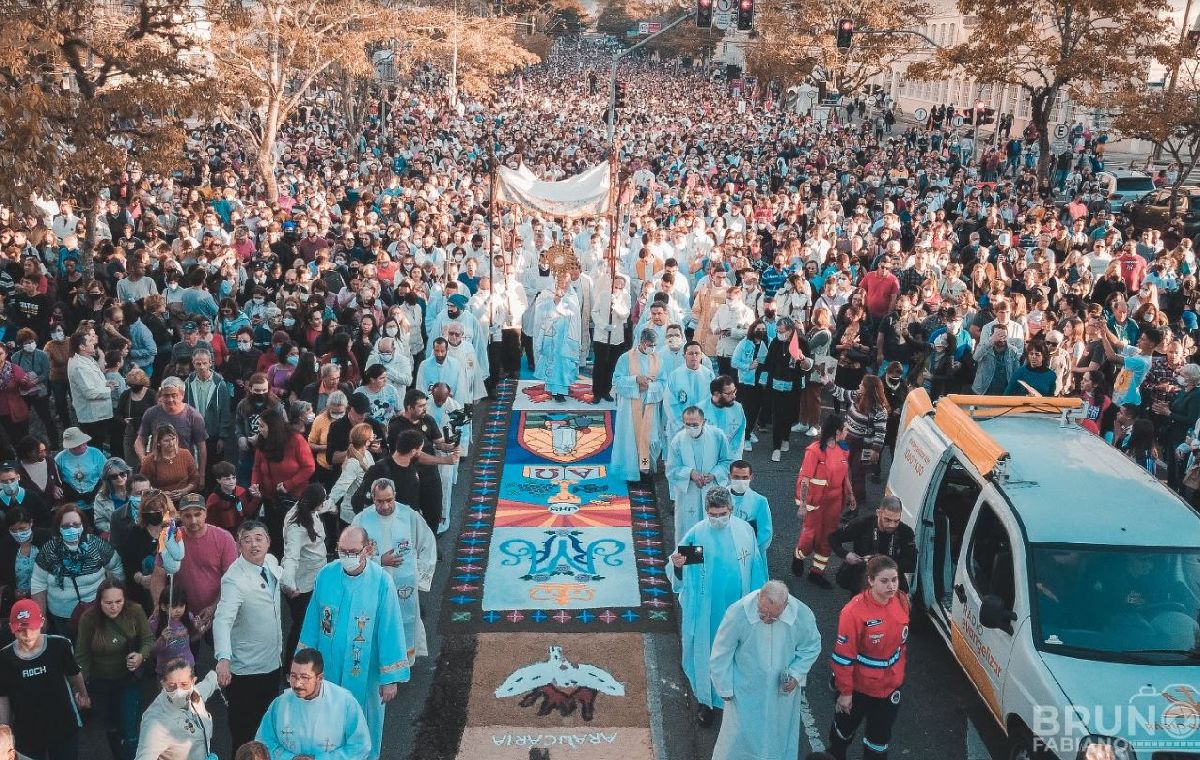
(745, 15)
(621, 92)
(845, 33)
(987, 116)
(704, 10)
(1193, 39)
(968, 115)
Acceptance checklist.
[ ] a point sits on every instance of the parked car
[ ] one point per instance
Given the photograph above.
(1122, 186)
(1153, 210)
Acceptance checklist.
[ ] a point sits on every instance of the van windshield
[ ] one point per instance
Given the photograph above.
(1135, 184)
(1127, 603)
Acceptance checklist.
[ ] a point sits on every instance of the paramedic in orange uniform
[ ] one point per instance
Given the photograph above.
(822, 490)
(868, 662)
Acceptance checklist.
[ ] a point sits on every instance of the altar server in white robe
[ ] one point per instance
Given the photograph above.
(698, 459)
(722, 409)
(686, 386)
(406, 548)
(765, 646)
(441, 406)
(729, 567)
(443, 368)
(314, 718)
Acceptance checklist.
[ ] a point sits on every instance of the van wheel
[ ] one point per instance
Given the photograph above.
(1021, 745)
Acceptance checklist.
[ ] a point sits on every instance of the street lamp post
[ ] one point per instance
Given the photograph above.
(616, 59)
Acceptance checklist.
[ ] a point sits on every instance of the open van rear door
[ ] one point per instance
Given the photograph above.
(922, 454)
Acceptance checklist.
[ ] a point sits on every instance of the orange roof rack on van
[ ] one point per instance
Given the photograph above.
(956, 415)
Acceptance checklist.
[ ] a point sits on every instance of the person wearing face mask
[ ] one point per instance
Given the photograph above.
(610, 313)
(69, 569)
(111, 496)
(14, 495)
(823, 490)
(138, 548)
(393, 354)
(36, 365)
(18, 555)
(638, 382)
(749, 360)
(367, 659)
(177, 724)
(764, 649)
(722, 565)
(750, 505)
(686, 386)
(1180, 416)
(722, 409)
(58, 351)
(698, 460)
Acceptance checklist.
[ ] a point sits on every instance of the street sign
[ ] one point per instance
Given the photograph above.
(958, 121)
(920, 114)
(655, 27)
(1060, 132)
(723, 15)
(643, 27)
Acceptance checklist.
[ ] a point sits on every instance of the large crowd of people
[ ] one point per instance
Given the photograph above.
(209, 415)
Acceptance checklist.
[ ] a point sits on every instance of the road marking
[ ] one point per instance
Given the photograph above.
(810, 725)
(657, 738)
(976, 749)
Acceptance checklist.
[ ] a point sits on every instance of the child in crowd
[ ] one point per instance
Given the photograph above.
(229, 504)
(174, 629)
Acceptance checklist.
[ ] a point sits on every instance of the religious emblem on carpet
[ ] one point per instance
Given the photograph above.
(557, 684)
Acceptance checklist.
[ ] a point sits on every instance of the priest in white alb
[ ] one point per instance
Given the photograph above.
(698, 459)
(765, 646)
(724, 566)
(314, 718)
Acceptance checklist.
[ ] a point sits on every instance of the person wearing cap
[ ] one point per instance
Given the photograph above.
(208, 552)
(42, 688)
(79, 466)
(91, 394)
(181, 352)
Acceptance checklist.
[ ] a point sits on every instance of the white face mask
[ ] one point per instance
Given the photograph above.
(719, 522)
(739, 486)
(696, 432)
(349, 564)
(179, 695)
(674, 343)
(336, 415)
(29, 347)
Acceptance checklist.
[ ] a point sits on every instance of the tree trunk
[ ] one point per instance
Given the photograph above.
(1040, 112)
(266, 151)
(87, 247)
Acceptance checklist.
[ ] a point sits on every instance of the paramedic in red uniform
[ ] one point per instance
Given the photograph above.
(822, 490)
(868, 662)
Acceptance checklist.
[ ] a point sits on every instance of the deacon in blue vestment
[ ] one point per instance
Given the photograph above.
(731, 566)
(686, 386)
(404, 546)
(314, 718)
(354, 621)
(556, 322)
(638, 383)
(722, 410)
(750, 505)
(697, 460)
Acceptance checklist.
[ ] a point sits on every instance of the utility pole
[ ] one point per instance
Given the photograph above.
(616, 59)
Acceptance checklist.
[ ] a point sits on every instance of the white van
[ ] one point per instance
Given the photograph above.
(1063, 577)
(1121, 186)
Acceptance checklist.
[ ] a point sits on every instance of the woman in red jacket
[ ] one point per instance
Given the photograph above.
(822, 490)
(14, 411)
(868, 662)
(283, 465)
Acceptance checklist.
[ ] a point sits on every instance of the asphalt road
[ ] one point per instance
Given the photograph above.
(941, 716)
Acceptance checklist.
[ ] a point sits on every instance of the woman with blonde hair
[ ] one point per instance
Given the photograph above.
(358, 461)
(170, 467)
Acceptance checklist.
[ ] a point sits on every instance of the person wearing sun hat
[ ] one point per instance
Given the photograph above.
(43, 687)
(80, 467)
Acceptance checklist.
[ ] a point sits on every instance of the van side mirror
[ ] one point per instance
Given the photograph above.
(993, 614)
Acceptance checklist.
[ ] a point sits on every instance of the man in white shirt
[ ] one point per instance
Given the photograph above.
(248, 632)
